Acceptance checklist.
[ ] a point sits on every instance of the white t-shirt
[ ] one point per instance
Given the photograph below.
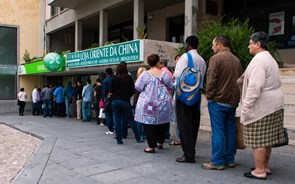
(22, 96)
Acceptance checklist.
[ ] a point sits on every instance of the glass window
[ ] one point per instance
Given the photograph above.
(53, 11)
(8, 86)
(8, 48)
(8, 62)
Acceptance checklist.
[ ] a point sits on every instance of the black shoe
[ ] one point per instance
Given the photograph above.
(183, 160)
(250, 175)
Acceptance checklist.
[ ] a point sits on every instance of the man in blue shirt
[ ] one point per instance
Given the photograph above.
(87, 95)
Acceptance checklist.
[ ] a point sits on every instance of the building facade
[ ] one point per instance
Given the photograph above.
(20, 29)
(43, 26)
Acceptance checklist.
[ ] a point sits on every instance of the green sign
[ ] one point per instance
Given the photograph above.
(53, 61)
(35, 68)
(128, 52)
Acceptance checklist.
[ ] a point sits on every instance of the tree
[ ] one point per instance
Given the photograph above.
(239, 34)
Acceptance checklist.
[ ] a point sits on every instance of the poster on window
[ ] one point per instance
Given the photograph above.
(276, 23)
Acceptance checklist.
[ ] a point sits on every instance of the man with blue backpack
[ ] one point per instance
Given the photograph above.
(189, 73)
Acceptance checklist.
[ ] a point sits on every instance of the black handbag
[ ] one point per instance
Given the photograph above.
(286, 142)
(18, 102)
(108, 104)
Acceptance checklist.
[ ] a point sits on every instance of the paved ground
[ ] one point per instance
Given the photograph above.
(16, 148)
(73, 152)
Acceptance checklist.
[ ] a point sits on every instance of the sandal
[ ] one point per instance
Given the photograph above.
(160, 146)
(267, 172)
(149, 151)
(173, 143)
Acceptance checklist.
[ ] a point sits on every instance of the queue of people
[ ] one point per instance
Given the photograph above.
(154, 106)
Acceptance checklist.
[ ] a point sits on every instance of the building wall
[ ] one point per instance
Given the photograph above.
(26, 15)
(288, 57)
(157, 21)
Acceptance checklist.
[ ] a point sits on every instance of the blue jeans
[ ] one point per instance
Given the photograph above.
(68, 110)
(123, 114)
(140, 130)
(86, 111)
(110, 121)
(47, 108)
(223, 126)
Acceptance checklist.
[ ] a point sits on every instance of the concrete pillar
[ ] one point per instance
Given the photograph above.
(78, 35)
(103, 27)
(42, 38)
(47, 44)
(138, 16)
(190, 17)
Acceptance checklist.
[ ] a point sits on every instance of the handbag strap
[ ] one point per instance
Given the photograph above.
(21, 95)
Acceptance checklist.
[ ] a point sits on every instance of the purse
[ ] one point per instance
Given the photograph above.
(102, 114)
(239, 134)
(108, 103)
(286, 142)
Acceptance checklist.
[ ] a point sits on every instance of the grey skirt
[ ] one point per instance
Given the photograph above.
(265, 132)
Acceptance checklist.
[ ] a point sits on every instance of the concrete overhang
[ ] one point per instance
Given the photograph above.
(72, 4)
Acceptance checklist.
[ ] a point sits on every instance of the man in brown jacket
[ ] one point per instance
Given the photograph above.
(223, 97)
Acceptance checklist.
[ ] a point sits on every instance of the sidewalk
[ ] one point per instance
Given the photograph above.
(73, 152)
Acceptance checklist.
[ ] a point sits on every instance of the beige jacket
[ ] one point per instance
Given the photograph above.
(261, 93)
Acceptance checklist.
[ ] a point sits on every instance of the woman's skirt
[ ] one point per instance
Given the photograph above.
(265, 132)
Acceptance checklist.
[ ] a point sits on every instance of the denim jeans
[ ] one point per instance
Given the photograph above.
(34, 108)
(223, 126)
(140, 130)
(86, 111)
(110, 121)
(123, 114)
(68, 110)
(47, 108)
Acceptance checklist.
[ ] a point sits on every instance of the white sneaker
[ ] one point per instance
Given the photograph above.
(111, 133)
(108, 132)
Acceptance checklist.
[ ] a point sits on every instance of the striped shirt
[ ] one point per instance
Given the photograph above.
(183, 62)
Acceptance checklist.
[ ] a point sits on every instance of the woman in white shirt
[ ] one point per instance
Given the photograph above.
(22, 95)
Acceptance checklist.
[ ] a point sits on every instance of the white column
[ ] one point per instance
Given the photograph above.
(138, 16)
(191, 11)
(103, 27)
(78, 35)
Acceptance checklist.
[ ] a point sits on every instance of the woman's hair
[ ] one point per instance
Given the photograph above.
(261, 37)
(153, 59)
(139, 71)
(122, 72)
(22, 89)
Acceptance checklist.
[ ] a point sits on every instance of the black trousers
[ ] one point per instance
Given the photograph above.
(22, 105)
(155, 134)
(188, 121)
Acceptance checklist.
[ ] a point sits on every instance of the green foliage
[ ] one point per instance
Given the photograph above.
(239, 34)
(26, 57)
(108, 43)
(142, 31)
(94, 45)
(180, 49)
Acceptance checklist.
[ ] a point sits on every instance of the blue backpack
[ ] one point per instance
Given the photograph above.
(189, 84)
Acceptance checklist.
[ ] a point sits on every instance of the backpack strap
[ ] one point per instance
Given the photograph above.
(190, 60)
